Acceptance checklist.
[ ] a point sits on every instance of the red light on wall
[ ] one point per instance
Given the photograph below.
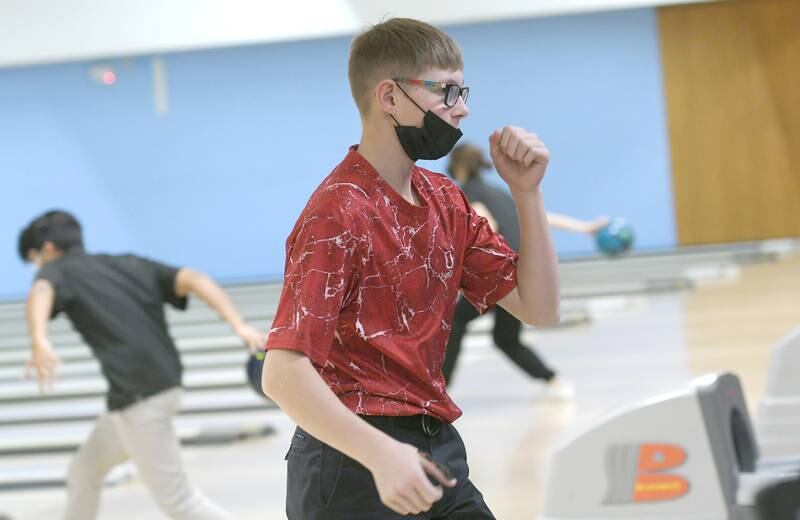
(108, 78)
(103, 74)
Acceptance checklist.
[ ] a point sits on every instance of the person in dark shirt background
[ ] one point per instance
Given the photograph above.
(467, 161)
(116, 303)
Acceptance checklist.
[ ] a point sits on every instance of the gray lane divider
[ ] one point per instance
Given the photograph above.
(45, 440)
(196, 402)
(17, 337)
(90, 367)
(196, 311)
(44, 468)
(83, 353)
(25, 391)
(251, 295)
(628, 288)
(54, 476)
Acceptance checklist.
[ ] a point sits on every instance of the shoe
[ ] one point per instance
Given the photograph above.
(558, 390)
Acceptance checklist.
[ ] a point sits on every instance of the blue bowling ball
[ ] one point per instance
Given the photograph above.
(616, 237)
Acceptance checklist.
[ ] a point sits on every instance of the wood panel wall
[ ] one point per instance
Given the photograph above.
(732, 84)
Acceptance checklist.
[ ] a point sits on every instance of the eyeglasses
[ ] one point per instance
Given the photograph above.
(451, 91)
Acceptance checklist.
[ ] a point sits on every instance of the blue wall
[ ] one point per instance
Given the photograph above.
(218, 181)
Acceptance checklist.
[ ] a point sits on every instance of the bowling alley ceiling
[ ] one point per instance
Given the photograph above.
(43, 31)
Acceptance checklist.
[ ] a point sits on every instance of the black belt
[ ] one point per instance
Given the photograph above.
(431, 426)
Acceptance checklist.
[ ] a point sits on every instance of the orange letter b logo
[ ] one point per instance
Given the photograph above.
(636, 473)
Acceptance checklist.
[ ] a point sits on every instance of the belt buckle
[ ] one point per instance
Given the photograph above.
(430, 425)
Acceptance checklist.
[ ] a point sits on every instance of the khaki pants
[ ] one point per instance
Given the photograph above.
(143, 433)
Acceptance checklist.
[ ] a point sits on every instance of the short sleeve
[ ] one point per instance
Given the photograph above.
(53, 274)
(490, 265)
(164, 276)
(320, 273)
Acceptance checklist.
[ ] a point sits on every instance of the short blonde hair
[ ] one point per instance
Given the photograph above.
(398, 47)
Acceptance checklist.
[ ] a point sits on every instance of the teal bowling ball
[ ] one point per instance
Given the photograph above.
(616, 237)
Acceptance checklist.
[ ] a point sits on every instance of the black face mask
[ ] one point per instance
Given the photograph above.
(433, 141)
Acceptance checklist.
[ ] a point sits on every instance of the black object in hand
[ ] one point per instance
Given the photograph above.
(440, 466)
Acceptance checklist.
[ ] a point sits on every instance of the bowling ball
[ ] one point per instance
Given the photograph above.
(616, 237)
(253, 368)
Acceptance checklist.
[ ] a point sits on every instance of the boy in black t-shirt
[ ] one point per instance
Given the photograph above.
(116, 303)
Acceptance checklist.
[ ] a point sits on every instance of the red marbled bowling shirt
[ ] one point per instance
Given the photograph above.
(371, 283)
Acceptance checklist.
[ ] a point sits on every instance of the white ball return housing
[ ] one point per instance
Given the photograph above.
(685, 455)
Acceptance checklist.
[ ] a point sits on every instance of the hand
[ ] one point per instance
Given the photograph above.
(403, 486)
(597, 224)
(252, 337)
(45, 363)
(519, 157)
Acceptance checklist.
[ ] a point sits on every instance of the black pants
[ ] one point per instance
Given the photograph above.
(506, 336)
(324, 484)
